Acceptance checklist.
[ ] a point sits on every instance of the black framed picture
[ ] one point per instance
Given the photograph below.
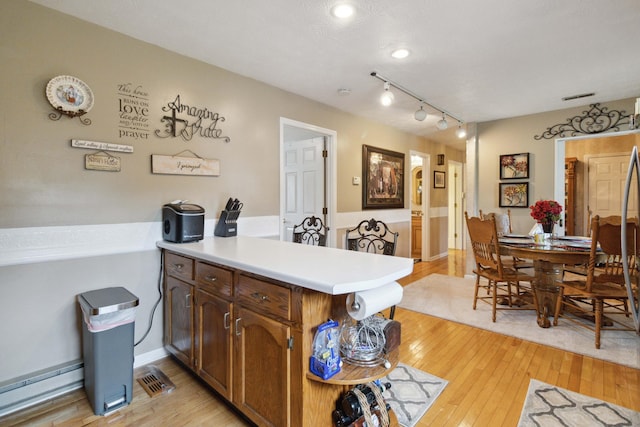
(514, 195)
(514, 166)
(383, 176)
(439, 179)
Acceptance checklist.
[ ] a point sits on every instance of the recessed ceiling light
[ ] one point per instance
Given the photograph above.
(400, 53)
(342, 10)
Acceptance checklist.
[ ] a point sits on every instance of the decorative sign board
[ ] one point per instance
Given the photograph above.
(102, 162)
(174, 165)
(95, 145)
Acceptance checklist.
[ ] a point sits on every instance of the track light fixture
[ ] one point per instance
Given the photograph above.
(420, 114)
(386, 98)
(442, 123)
(461, 132)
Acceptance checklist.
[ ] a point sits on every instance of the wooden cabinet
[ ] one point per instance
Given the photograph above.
(178, 330)
(214, 341)
(250, 338)
(569, 195)
(416, 237)
(262, 366)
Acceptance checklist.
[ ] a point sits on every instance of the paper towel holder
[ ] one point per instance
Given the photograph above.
(355, 305)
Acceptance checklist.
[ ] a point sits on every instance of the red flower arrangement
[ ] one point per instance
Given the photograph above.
(546, 211)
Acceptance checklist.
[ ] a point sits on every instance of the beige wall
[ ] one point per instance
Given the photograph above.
(516, 135)
(43, 182)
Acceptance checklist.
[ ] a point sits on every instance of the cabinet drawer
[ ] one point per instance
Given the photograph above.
(178, 266)
(214, 278)
(264, 297)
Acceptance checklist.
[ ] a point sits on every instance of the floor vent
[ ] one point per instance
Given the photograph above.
(155, 382)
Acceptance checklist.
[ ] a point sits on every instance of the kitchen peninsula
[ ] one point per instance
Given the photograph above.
(242, 312)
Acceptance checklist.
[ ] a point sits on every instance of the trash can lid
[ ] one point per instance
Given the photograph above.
(107, 300)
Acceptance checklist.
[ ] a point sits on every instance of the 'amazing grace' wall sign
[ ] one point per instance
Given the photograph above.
(203, 122)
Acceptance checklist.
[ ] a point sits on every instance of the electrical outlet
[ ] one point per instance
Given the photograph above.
(355, 180)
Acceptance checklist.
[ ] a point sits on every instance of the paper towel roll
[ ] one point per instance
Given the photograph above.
(374, 300)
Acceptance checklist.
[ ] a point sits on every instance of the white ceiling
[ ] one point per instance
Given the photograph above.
(478, 60)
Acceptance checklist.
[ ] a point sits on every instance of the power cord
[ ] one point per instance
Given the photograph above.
(157, 302)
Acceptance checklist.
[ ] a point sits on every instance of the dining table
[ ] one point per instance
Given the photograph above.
(549, 257)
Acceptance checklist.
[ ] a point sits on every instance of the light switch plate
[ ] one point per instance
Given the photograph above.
(355, 180)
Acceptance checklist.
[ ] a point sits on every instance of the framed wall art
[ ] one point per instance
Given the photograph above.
(514, 195)
(383, 177)
(514, 166)
(439, 179)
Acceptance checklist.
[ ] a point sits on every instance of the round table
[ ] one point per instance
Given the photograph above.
(549, 259)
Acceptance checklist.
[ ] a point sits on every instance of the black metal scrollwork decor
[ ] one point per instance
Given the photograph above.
(596, 120)
(60, 112)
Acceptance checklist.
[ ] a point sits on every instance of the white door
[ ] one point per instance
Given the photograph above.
(304, 182)
(606, 179)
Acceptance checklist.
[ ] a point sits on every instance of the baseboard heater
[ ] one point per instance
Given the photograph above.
(37, 387)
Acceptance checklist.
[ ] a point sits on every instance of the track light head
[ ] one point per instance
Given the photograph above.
(461, 132)
(420, 114)
(442, 123)
(386, 98)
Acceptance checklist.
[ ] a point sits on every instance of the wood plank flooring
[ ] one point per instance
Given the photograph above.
(488, 376)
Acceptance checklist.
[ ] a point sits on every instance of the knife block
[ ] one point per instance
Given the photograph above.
(227, 225)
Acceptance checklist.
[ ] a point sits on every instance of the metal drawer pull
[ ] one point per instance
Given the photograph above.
(178, 267)
(187, 298)
(226, 321)
(259, 296)
(238, 331)
(211, 278)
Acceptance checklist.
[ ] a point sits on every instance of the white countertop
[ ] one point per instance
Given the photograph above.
(329, 270)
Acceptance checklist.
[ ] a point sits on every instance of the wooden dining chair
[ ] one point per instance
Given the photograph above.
(501, 282)
(503, 227)
(603, 291)
(373, 236)
(310, 231)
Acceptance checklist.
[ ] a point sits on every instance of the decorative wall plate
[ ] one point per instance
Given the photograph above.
(70, 95)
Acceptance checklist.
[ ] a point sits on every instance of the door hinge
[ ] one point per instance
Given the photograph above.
(325, 211)
(325, 153)
(290, 343)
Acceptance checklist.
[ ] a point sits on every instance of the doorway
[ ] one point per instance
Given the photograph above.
(419, 186)
(588, 149)
(307, 176)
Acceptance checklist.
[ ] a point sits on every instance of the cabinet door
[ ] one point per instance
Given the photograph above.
(178, 331)
(262, 368)
(213, 341)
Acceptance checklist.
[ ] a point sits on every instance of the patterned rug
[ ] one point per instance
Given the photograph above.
(412, 392)
(551, 406)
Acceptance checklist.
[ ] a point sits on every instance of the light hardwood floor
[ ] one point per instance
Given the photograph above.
(488, 376)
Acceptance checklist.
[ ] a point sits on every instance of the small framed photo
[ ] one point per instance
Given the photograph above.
(383, 172)
(514, 195)
(514, 166)
(439, 179)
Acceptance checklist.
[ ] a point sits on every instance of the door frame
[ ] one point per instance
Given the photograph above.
(426, 202)
(456, 196)
(330, 173)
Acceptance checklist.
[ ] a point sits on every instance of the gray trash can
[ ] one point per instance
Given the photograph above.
(107, 347)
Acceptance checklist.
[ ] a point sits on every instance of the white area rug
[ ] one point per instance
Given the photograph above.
(552, 406)
(412, 392)
(451, 298)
